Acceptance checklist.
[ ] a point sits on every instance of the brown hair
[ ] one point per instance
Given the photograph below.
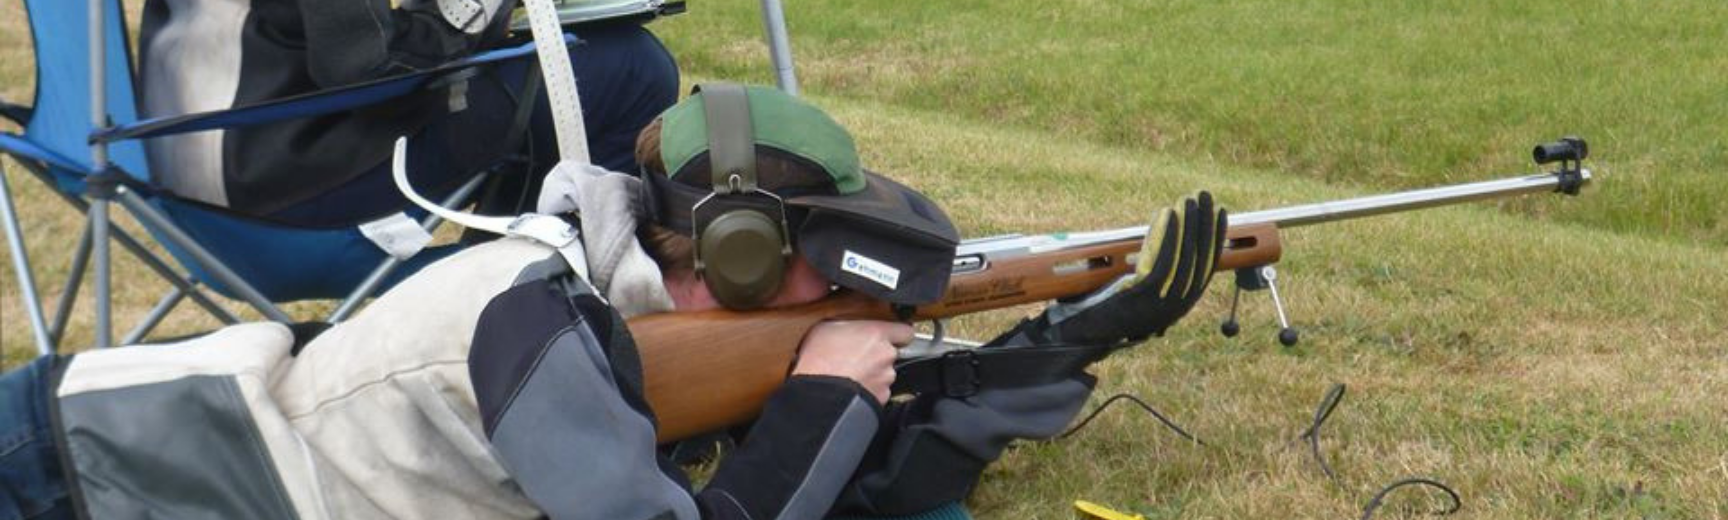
(672, 251)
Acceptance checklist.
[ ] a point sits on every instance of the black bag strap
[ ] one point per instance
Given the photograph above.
(962, 373)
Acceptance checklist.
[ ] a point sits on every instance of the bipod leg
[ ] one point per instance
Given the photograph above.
(1287, 335)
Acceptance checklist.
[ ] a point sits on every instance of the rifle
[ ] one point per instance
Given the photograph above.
(753, 351)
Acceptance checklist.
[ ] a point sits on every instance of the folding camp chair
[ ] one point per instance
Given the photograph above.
(92, 157)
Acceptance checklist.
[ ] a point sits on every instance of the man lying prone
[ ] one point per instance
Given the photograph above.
(496, 384)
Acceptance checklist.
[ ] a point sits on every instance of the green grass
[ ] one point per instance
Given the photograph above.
(1398, 93)
(1549, 357)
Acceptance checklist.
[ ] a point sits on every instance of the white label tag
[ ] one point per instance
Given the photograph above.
(870, 268)
(399, 236)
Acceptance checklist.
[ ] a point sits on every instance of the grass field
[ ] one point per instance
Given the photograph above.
(1548, 357)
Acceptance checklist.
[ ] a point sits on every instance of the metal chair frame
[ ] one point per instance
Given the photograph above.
(94, 252)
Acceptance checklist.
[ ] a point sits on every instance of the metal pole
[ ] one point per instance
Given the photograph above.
(779, 45)
(99, 166)
(161, 310)
(378, 275)
(69, 295)
(21, 264)
(150, 217)
(130, 244)
(99, 247)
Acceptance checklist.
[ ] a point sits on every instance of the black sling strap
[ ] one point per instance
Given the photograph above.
(963, 373)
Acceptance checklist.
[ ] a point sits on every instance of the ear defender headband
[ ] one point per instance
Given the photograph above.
(740, 229)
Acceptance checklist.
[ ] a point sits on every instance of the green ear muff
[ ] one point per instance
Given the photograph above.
(741, 249)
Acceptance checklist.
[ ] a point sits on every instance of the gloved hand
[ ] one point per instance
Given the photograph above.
(1176, 263)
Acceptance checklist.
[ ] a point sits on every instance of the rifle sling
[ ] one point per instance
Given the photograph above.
(962, 373)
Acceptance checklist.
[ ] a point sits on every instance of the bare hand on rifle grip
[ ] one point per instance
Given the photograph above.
(863, 351)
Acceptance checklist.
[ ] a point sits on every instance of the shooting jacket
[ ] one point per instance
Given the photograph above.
(490, 385)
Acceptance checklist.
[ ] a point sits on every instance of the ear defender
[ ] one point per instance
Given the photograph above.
(740, 229)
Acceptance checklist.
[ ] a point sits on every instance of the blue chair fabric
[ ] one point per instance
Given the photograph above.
(274, 258)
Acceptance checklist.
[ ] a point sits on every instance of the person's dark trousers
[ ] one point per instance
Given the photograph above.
(32, 485)
(625, 78)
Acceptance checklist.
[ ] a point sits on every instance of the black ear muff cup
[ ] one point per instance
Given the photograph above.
(741, 258)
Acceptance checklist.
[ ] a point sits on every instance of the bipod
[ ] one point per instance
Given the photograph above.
(1263, 278)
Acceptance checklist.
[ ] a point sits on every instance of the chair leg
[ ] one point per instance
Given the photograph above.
(100, 185)
(152, 218)
(21, 264)
(150, 322)
(138, 251)
(389, 265)
(167, 273)
(99, 223)
(69, 295)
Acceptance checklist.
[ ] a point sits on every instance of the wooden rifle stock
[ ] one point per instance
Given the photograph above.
(711, 369)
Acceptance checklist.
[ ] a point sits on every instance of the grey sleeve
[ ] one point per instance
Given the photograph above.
(565, 421)
(559, 389)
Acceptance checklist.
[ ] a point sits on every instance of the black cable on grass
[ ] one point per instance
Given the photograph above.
(1329, 403)
(1334, 396)
(1374, 503)
(1143, 406)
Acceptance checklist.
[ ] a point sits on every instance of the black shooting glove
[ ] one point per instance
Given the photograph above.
(1176, 263)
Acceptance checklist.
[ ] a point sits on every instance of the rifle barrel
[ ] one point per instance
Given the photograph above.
(1323, 212)
(975, 254)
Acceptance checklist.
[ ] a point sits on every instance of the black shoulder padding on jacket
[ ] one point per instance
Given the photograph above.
(559, 386)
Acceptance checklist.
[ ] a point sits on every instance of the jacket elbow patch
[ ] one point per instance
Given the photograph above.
(554, 413)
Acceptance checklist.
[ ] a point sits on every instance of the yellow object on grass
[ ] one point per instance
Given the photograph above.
(1091, 511)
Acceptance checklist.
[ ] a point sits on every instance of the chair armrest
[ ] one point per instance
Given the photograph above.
(310, 104)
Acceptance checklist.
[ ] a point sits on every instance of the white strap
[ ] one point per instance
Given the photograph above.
(560, 80)
(546, 229)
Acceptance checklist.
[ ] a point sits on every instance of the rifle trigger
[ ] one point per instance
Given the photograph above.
(938, 332)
